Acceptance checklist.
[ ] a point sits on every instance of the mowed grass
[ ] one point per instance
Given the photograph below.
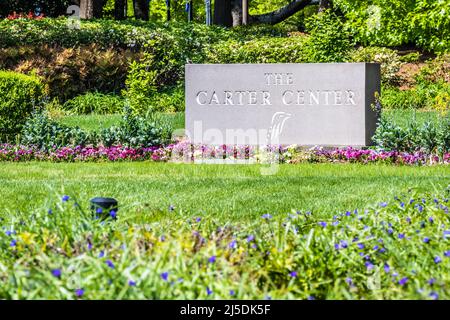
(97, 122)
(222, 192)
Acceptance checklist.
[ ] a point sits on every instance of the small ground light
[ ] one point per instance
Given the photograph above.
(104, 207)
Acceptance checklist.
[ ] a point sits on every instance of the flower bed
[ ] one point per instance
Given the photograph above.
(398, 249)
(186, 152)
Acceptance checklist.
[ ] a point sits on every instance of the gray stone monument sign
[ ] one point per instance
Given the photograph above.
(267, 104)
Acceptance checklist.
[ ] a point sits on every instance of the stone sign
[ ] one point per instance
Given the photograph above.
(268, 104)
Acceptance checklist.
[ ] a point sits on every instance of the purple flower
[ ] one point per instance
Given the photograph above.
(403, 281)
(434, 295)
(431, 281)
(131, 283)
(110, 264)
(198, 219)
(348, 213)
(56, 273)
(101, 254)
(387, 268)
(322, 224)
(267, 216)
(233, 244)
(79, 293)
(65, 198)
(383, 204)
(349, 281)
(99, 211)
(426, 239)
(311, 298)
(13, 243)
(430, 219)
(113, 214)
(369, 265)
(376, 248)
(212, 259)
(408, 219)
(390, 231)
(250, 238)
(232, 292)
(293, 274)
(360, 246)
(208, 291)
(344, 244)
(447, 253)
(401, 235)
(437, 259)
(165, 276)
(50, 211)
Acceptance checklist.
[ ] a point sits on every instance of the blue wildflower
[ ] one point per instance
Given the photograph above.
(447, 253)
(99, 210)
(233, 244)
(208, 291)
(165, 276)
(13, 243)
(171, 208)
(401, 235)
(79, 293)
(386, 268)
(250, 238)
(344, 244)
(322, 224)
(348, 213)
(212, 259)
(383, 204)
(311, 298)
(232, 292)
(360, 246)
(402, 204)
(349, 281)
(434, 295)
(50, 211)
(437, 259)
(113, 214)
(267, 216)
(390, 231)
(65, 198)
(198, 219)
(56, 273)
(101, 254)
(368, 265)
(408, 219)
(131, 283)
(431, 281)
(110, 264)
(430, 219)
(403, 281)
(293, 274)
(426, 239)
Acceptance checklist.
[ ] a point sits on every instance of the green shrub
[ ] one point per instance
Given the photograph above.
(389, 60)
(19, 95)
(264, 50)
(430, 137)
(47, 134)
(329, 41)
(95, 102)
(169, 100)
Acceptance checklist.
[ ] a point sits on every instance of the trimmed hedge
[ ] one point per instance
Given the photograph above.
(19, 95)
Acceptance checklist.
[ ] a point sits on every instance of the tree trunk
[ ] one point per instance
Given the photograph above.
(236, 12)
(222, 13)
(141, 9)
(119, 9)
(281, 14)
(87, 9)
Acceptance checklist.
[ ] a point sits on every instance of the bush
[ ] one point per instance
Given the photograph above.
(95, 102)
(19, 95)
(329, 42)
(265, 50)
(430, 137)
(72, 71)
(389, 60)
(137, 132)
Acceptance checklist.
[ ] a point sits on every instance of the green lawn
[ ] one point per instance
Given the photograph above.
(97, 122)
(225, 192)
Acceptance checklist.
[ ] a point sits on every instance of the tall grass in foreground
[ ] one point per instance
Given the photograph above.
(392, 250)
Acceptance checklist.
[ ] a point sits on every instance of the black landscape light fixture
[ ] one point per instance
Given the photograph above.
(104, 207)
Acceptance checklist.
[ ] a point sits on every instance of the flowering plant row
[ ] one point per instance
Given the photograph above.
(190, 153)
